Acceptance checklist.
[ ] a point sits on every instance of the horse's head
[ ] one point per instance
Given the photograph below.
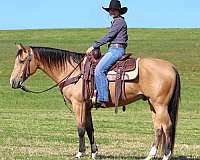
(24, 66)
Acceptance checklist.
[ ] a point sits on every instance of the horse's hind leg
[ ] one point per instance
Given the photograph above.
(167, 128)
(165, 138)
(90, 133)
(158, 134)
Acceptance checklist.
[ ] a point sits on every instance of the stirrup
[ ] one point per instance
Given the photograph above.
(97, 104)
(94, 98)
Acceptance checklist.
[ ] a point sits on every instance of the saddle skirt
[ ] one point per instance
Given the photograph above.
(128, 75)
(129, 64)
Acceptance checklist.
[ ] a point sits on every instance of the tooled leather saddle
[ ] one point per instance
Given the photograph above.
(122, 66)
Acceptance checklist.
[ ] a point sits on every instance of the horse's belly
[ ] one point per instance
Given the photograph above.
(132, 92)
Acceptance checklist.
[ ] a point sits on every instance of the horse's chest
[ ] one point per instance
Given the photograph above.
(73, 92)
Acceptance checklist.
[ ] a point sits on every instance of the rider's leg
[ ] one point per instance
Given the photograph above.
(101, 70)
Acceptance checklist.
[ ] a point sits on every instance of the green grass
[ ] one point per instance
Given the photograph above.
(41, 127)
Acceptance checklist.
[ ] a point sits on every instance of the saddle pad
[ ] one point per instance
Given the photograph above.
(130, 75)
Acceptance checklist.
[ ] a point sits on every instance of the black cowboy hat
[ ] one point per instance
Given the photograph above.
(115, 4)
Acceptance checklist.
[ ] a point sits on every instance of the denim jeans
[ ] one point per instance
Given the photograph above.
(101, 72)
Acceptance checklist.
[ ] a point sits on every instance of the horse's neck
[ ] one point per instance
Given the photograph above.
(58, 74)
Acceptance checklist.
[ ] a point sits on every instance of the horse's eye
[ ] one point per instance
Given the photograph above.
(21, 61)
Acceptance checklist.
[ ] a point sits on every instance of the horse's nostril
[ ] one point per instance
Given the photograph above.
(15, 84)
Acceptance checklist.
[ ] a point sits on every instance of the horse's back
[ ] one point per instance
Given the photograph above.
(155, 65)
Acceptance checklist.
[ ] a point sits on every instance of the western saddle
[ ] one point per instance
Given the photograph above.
(125, 64)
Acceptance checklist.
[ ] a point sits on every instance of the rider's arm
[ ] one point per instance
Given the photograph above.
(115, 28)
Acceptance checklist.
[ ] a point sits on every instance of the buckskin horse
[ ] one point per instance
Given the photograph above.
(158, 82)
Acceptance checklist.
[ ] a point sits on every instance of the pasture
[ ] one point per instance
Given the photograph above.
(40, 127)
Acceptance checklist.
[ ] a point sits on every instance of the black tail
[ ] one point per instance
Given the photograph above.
(173, 107)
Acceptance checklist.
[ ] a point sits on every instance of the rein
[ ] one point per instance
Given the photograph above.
(57, 84)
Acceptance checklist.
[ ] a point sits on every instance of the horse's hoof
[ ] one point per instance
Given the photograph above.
(152, 153)
(94, 155)
(167, 157)
(79, 155)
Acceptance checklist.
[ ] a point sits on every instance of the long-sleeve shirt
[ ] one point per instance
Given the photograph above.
(117, 34)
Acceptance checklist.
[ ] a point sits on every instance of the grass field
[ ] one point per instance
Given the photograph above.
(40, 127)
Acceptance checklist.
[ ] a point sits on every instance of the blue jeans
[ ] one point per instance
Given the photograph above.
(101, 72)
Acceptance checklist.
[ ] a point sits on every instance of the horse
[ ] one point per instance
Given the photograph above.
(158, 82)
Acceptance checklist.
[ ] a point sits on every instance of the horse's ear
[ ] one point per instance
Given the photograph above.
(18, 46)
(22, 47)
(29, 49)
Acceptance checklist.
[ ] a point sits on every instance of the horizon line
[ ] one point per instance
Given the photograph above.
(62, 28)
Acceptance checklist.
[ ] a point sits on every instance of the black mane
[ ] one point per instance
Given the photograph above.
(56, 57)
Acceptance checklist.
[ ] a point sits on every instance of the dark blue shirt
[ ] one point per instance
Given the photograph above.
(117, 35)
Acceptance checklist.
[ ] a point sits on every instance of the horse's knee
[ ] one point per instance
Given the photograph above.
(81, 132)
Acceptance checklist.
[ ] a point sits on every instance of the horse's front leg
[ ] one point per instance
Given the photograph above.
(81, 133)
(80, 112)
(90, 133)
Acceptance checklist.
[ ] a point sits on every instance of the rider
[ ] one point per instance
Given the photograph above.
(117, 38)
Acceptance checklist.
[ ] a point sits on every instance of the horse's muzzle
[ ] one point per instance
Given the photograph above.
(15, 84)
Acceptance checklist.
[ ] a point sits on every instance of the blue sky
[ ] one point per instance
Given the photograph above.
(23, 14)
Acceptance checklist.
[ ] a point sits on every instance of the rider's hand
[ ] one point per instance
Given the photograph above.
(89, 50)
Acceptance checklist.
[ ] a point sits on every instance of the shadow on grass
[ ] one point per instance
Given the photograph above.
(140, 158)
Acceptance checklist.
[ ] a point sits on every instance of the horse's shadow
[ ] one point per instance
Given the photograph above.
(108, 157)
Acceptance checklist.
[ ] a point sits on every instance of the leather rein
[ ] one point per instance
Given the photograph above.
(64, 82)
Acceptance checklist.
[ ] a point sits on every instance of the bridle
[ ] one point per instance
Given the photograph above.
(26, 73)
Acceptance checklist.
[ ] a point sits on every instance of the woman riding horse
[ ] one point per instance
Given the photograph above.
(118, 39)
(158, 81)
